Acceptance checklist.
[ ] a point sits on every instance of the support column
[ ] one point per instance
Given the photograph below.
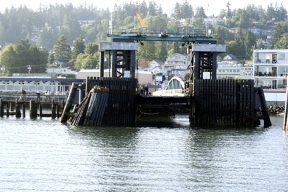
(214, 66)
(114, 63)
(196, 65)
(101, 66)
(132, 63)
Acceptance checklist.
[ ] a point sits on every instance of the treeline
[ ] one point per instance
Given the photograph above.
(88, 25)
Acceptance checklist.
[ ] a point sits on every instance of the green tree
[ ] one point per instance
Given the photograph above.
(249, 43)
(91, 48)
(222, 34)
(143, 9)
(200, 13)
(232, 47)
(87, 61)
(38, 59)
(78, 47)
(46, 37)
(241, 51)
(228, 10)
(62, 50)
(70, 28)
(9, 59)
(17, 57)
(51, 58)
(259, 44)
(161, 53)
(177, 11)
(147, 51)
(279, 30)
(282, 43)
(186, 10)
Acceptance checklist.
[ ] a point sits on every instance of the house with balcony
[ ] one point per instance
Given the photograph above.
(176, 65)
(270, 68)
(270, 72)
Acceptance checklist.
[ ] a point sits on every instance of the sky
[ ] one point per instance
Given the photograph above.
(210, 6)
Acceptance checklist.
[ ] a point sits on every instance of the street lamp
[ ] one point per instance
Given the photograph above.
(29, 68)
(2, 69)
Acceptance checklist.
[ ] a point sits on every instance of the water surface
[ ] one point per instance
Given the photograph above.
(45, 155)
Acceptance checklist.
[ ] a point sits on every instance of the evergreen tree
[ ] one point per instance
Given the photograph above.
(91, 48)
(279, 30)
(9, 59)
(51, 58)
(282, 43)
(62, 50)
(17, 57)
(228, 10)
(78, 47)
(200, 13)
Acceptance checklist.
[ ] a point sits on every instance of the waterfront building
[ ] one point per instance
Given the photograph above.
(270, 72)
(238, 71)
(270, 68)
(231, 68)
(57, 86)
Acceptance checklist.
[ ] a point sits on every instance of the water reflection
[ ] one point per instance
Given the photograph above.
(44, 155)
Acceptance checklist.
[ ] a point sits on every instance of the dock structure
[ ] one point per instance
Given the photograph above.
(116, 100)
(209, 101)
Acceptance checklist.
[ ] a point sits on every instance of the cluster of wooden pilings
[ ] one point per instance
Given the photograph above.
(18, 108)
(107, 101)
(91, 110)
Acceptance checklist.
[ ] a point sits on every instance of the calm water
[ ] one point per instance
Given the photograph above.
(45, 155)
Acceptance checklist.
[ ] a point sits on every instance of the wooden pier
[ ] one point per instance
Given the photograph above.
(115, 102)
(36, 108)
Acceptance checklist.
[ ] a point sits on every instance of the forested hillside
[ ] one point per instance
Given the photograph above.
(57, 27)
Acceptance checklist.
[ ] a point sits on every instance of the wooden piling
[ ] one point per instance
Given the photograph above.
(57, 110)
(285, 124)
(33, 109)
(23, 110)
(17, 108)
(53, 110)
(64, 116)
(1, 108)
(40, 110)
(7, 110)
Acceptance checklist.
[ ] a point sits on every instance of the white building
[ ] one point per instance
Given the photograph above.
(230, 68)
(271, 68)
(235, 72)
(57, 70)
(176, 65)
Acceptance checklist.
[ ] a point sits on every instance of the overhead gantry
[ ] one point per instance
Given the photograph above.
(121, 51)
